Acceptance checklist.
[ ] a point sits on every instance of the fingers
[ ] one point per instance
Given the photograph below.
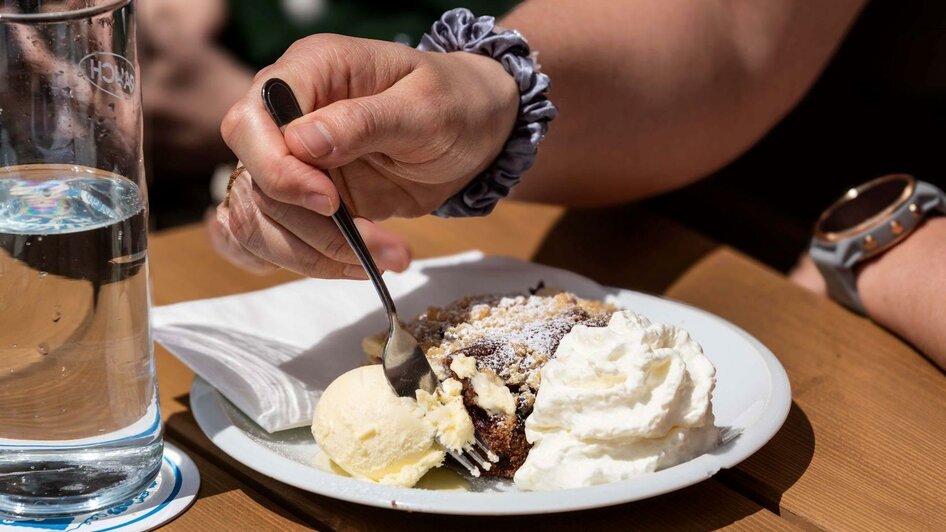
(253, 136)
(321, 69)
(320, 233)
(266, 239)
(388, 250)
(229, 247)
(343, 131)
(255, 231)
(280, 216)
(443, 110)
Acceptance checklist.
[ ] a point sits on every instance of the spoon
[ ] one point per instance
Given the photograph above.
(405, 365)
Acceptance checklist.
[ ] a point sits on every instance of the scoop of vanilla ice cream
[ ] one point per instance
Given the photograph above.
(373, 434)
(616, 402)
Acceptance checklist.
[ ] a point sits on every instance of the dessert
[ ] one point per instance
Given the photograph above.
(495, 345)
(616, 402)
(372, 434)
(566, 391)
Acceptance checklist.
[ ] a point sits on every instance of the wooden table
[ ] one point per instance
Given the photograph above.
(864, 447)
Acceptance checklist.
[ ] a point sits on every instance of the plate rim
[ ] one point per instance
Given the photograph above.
(217, 426)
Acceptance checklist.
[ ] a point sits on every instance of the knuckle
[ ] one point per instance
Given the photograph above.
(306, 45)
(298, 46)
(301, 45)
(264, 73)
(232, 122)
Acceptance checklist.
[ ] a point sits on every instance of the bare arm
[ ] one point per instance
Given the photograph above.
(905, 288)
(654, 94)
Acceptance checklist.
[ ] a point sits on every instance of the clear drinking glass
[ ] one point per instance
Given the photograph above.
(79, 423)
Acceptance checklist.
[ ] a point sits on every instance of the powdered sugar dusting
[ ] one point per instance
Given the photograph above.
(513, 335)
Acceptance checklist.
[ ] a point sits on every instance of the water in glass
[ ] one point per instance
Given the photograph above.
(80, 428)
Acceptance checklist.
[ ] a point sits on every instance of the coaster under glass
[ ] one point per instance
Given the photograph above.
(169, 495)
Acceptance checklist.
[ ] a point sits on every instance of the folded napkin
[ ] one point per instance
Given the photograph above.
(273, 352)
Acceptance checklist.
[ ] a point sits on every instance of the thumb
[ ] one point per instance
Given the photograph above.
(345, 130)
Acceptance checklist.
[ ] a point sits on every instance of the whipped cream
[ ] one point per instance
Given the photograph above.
(616, 402)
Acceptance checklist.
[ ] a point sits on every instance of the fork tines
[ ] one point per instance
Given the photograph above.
(470, 452)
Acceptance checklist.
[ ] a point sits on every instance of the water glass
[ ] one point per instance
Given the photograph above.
(80, 428)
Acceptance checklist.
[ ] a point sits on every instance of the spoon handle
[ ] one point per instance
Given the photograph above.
(284, 108)
(346, 225)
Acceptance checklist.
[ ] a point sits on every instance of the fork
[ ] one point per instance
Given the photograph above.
(405, 365)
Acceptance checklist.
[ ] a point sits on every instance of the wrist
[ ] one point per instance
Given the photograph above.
(458, 30)
(499, 85)
(904, 288)
(496, 96)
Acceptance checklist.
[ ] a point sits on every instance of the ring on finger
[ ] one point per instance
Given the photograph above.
(233, 177)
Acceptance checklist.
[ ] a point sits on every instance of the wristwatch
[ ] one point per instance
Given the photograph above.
(865, 222)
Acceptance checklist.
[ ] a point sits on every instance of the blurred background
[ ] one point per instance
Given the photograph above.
(880, 107)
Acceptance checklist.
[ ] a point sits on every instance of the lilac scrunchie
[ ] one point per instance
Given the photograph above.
(458, 30)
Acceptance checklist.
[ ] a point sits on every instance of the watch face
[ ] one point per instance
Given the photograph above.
(857, 210)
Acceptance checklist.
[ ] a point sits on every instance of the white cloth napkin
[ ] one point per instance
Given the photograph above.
(272, 352)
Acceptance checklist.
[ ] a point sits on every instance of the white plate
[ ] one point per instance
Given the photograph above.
(751, 402)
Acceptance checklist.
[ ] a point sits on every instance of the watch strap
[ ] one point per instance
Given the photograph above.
(837, 261)
(930, 198)
(841, 282)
